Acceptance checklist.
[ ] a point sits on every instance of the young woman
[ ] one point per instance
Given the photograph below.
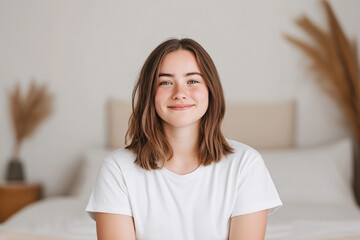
(179, 178)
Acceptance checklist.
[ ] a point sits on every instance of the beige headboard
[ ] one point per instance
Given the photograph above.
(260, 125)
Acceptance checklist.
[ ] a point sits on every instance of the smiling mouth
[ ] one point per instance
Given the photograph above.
(181, 107)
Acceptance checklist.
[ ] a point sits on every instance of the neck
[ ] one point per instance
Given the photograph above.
(184, 142)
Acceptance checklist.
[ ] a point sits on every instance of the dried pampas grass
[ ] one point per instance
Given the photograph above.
(27, 112)
(334, 60)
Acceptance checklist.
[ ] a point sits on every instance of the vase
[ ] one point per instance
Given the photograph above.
(15, 171)
(356, 171)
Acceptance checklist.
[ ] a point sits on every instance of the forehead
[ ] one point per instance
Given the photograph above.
(179, 61)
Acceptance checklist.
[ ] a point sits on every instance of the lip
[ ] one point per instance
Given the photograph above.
(181, 107)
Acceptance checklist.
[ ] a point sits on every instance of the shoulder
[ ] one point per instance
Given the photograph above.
(120, 158)
(243, 154)
(241, 148)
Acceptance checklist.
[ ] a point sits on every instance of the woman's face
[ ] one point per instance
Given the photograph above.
(182, 96)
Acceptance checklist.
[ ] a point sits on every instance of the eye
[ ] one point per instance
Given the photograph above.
(165, 83)
(193, 81)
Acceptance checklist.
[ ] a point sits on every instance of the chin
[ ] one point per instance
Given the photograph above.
(182, 123)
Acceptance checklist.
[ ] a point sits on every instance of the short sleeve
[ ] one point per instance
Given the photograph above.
(256, 190)
(110, 194)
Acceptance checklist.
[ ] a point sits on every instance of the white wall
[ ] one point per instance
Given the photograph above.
(87, 51)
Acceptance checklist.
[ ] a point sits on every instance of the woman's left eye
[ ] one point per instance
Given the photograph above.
(193, 81)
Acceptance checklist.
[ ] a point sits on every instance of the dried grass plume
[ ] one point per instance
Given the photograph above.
(27, 112)
(335, 61)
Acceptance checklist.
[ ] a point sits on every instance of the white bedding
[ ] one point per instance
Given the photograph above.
(314, 184)
(65, 217)
(58, 217)
(312, 221)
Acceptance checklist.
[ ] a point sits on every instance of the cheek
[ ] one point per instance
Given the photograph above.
(202, 96)
(160, 98)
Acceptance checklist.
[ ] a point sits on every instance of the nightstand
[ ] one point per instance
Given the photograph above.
(14, 196)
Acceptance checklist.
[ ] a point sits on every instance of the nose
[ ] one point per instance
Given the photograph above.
(179, 92)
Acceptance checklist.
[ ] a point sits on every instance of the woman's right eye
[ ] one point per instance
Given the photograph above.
(165, 83)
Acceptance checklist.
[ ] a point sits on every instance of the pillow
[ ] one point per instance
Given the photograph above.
(320, 175)
(91, 161)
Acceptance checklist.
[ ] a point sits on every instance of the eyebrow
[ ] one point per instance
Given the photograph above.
(186, 75)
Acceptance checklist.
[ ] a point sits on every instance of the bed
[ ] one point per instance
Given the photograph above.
(314, 183)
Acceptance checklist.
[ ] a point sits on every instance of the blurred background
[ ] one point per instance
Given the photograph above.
(87, 51)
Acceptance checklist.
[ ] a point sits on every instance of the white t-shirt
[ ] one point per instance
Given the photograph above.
(193, 206)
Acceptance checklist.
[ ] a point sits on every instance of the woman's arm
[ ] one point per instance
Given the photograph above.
(114, 227)
(249, 226)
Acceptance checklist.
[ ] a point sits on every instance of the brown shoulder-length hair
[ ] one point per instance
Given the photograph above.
(146, 134)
